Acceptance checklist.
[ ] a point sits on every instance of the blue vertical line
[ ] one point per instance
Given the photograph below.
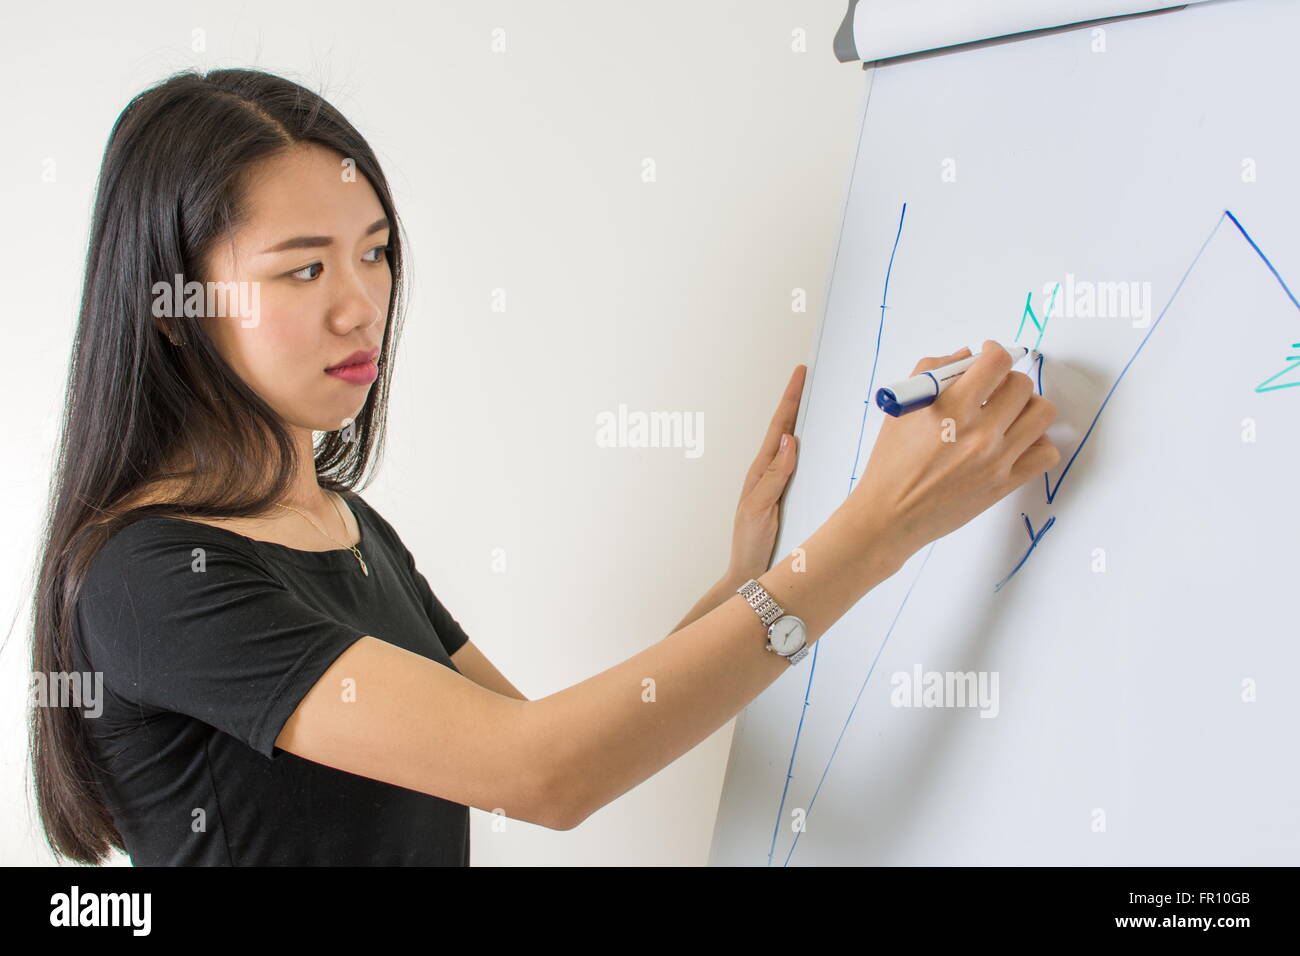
(830, 280)
(789, 769)
(849, 718)
(809, 389)
(880, 331)
(866, 405)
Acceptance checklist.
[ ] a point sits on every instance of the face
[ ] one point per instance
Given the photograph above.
(313, 281)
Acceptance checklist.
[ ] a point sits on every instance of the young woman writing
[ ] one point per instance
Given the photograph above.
(281, 685)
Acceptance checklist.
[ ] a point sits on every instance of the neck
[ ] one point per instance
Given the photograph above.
(305, 493)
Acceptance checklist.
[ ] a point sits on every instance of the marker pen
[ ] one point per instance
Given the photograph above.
(920, 390)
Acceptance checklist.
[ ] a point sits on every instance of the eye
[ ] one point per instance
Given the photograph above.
(314, 265)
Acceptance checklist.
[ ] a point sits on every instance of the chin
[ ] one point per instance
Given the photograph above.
(343, 421)
(332, 412)
(327, 423)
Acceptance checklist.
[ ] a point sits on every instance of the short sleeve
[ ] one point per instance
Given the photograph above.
(450, 632)
(193, 622)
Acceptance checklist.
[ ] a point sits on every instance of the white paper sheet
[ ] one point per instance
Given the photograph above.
(1144, 644)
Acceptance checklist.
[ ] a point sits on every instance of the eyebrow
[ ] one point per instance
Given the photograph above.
(312, 242)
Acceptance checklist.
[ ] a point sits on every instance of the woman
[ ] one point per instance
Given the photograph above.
(280, 684)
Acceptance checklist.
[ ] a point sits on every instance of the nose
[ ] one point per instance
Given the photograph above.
(356, 302)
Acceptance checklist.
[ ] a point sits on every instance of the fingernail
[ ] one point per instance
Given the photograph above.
(785, 440)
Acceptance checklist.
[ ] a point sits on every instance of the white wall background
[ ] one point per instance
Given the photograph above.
(518, 170)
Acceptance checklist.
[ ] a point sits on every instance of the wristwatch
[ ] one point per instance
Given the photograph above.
(786, 634)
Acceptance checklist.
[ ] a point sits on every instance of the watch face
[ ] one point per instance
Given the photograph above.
(786, 635)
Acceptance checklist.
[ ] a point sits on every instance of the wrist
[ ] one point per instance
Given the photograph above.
(733, 579)
(871, 543)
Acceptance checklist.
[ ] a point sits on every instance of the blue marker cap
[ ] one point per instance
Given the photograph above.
(909, 395)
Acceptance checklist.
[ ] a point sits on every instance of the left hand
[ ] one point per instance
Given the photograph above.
(758, 514)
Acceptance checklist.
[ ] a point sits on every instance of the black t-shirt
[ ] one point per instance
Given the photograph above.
(207, 640)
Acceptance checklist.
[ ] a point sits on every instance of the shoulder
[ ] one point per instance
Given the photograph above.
(154, 531)
(156, 578)
(392, 540)
(376, 519)
(152, 552)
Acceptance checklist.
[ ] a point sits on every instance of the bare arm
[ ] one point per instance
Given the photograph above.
(386, 713)
(719, 592)
(473, 663)
(930, 472)
(554, 761)
(615, 730)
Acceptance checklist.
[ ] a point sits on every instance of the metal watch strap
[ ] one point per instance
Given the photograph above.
(762, 602)
(768, 612)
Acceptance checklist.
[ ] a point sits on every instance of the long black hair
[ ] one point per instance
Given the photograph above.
(172, 185)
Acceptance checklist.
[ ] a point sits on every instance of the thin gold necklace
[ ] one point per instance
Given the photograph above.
(351, 547)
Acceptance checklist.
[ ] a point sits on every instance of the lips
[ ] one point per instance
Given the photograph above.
(362, 374)
(359, 357)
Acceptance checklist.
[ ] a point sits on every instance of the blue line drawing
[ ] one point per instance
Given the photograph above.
(1033, 543)
(871, 670)
(1226, 214)
(812, 669)
(1050, 490)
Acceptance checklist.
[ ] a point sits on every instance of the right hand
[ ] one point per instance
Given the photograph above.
(922, 486)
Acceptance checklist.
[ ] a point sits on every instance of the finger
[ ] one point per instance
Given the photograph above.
(771, 483)
(1009, 400)
(933, 362)
(983, 376)
(783, 420)
(1030, 427)
(1040, 457)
